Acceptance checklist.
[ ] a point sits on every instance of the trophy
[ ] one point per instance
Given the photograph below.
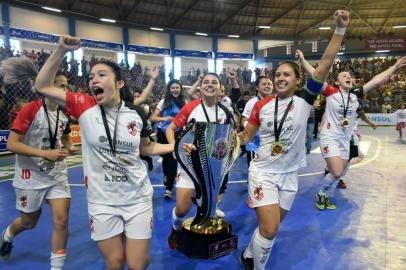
(206, 236)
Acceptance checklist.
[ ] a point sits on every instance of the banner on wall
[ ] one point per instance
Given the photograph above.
(101, 45)
(3, 140)
(189, 53)
(381, 119)
(385, 44)
(248, 56)
(151, 50)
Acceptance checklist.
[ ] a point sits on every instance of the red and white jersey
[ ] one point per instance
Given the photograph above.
(334, 113)
(249, 106)
(292, 135)
(194, 110)
(36, 172)
(400, 116)
(108, 179)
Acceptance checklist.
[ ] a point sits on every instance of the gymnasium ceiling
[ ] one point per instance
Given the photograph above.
(288, 19)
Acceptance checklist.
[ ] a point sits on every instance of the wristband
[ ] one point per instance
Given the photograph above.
(340, 31)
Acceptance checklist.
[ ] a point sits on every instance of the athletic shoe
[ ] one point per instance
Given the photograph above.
(328, 204)
(168, 194)
(320, 201)
(172, 239)
(219, 213)
(341, 184)
(248, 263)
(5, 248)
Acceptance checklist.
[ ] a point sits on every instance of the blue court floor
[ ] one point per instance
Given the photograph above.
(367, 231)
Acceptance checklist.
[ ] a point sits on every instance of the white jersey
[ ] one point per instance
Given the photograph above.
(108, 179)
(335, 102)
(36, 172)
(253, 145)
(400, 116)
(292, 135)
(194, 110)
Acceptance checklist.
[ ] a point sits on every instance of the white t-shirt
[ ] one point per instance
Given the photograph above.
(292, 135)
(400, 115)
(110, 181)
(36, 172)
(334, 113)
(254, 143)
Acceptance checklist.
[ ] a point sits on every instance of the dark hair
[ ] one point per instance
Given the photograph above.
(125, 92)
(247, 93)
(179, 101)
(61, 73)
(257, 81)
(294, 66)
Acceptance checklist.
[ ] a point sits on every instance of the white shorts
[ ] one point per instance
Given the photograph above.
(272, 188)
(31, 200)
(183, 180)
(106, 221)
(332, 147)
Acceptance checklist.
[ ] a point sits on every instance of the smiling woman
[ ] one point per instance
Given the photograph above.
(110, 192)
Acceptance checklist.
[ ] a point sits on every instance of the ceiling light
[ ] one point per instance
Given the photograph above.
(324, 28)
(201, 34)
(382, 51)
(264, 27)
(234, 36)
(52, 9)
(399, 26)
(107, 20)
(156, 29)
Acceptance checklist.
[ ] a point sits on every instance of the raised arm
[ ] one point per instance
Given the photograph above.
(303, 62)
(44, 83)
(342, 19)
(192, 91)
(148, 89)
(365, 118)
(384, 75)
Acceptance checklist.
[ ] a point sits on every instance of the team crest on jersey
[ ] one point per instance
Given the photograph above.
(220, 149)
(325, 149)
(250, 202)
(132, 128)
(91, 224)
(23, 201)
(259, 193)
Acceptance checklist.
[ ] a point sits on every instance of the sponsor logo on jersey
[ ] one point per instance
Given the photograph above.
(132, 128)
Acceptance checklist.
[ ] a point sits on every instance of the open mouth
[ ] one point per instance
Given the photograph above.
(282, 84)
(98, 92)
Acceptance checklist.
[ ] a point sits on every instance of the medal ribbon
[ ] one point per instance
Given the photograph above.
(205, 112)
(277, 130)
(113, 142)
(348, 103)
(52, 138)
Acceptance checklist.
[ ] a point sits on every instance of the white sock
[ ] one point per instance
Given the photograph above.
(176, 221)
(7, 235)
(248, 249)
(261, 250)
(330, 184)
(57, 261)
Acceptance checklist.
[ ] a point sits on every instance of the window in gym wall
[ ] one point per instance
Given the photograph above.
(168, 67)
(288, 49)
(178, 67)
(210, 65)
(219, 66)
(314, 46)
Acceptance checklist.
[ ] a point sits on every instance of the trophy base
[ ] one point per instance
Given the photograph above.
(210, 241)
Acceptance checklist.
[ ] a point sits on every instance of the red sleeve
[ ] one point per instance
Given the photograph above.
(26, 116)
(77, 103)
(329, 90)
(254, 117)
(182, 117)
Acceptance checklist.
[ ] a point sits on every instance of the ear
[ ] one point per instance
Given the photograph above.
(120, 84)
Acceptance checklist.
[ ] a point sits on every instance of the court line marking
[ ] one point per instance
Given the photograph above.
(362, 163)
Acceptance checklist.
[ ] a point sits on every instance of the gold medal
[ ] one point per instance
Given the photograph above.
(124, 160)
(277, 148)
(345, 122)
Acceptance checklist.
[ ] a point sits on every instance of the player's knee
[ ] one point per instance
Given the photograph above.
(29, 223)
(61, 221)
(114, 263)
(140, 264)
(337, 172)
(269, 231)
